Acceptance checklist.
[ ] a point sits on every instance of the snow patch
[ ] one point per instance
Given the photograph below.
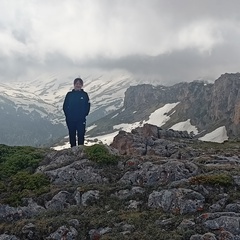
(111, 109)
(114, 116)
(185, 126)
(128, 127)
(219, 135)
(91, 127)
(159, 117)
(105, 139)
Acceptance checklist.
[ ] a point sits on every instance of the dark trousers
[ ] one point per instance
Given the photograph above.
(76, 128)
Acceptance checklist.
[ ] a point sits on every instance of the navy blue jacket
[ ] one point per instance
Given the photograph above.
(76, 105)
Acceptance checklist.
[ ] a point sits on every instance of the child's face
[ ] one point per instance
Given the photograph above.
(78, 86)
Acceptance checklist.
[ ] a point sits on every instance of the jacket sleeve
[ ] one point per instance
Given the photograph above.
(65, 105)
(87, 104)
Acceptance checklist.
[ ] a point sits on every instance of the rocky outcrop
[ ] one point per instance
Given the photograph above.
(152, 140)
(155, 192)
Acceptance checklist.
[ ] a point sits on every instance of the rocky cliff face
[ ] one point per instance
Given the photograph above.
(225, 103)
(207, 105)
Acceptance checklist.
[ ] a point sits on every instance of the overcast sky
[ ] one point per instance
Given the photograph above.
(169, 40)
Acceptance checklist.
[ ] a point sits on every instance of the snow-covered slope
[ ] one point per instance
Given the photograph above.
(27, 101)
(105, 89)
(43, 97)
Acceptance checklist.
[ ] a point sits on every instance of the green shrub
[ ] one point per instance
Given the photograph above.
(24, 180)
(24, 185)
(17, 181)
(15, 159)
(100, 154)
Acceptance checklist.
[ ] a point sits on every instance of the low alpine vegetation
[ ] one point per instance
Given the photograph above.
(220, 179)
(100, 154)
(17, 177)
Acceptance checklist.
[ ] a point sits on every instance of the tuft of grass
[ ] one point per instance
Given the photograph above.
(220, 179)
(100, 154)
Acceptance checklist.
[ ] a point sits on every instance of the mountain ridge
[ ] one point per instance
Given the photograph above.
(117, 98)
(207, 105)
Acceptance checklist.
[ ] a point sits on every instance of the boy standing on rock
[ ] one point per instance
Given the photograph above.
(76, 107)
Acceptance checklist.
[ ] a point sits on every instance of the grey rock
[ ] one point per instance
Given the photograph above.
(29, 228)
(55, 159)
(165, 222)
(94, 234)
(125, 233)
(201, 189)
(209, 216)
(75, 173)
(227, 223)
(218, 206)
(230, 160)
(74, 222)
(233, 207)
(236, 180)
(8, 237)
(8, 213)
(125, 193)
(133, 204)
(186, 224)
(196, 237)
(63, 233)
(97, 233)
(59, 201)
(105, 230)
(69, 166)
(178, 201)
(152, 174)
(209, 236)
(225, 235)
(88, 196)
(179, 183)
(32, 209)
(128, 227)
(206, 236)
(77, 196)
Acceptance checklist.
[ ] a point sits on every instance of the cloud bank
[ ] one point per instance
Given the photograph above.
(168, 40)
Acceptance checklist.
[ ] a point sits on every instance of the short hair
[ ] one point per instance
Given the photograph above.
(78, 80)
